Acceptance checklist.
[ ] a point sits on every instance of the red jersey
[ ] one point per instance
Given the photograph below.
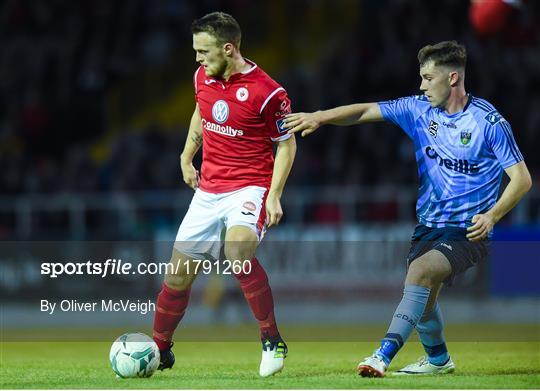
(241, 117)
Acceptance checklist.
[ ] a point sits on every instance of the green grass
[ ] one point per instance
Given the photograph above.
(462, 332)
(310, 365)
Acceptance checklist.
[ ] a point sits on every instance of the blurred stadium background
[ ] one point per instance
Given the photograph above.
(95, 101)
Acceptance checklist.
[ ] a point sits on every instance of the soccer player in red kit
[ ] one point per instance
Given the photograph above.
(237, 119)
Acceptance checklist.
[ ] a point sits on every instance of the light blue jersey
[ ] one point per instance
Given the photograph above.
(460, 157)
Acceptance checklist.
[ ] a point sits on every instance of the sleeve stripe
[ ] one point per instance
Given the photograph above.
(476, 104)
(512, 142)
(195, 78)
(483, 105)
(270, 97)
(487, 104)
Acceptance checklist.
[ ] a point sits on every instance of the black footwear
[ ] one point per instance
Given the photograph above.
(166, 359)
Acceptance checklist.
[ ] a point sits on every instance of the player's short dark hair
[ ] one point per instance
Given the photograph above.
(449, 53)
(221, 26)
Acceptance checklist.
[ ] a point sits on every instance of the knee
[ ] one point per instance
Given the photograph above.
(429, 271)
(177, 275)
(420, 274)
(178, 282)
(238, 252)
(240, 247)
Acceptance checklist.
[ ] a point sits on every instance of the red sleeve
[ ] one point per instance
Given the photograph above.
(274, 110)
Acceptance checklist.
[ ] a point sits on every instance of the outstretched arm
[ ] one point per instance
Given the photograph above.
(519, 185)
(193, 143)
(354, 114)
(285, 153)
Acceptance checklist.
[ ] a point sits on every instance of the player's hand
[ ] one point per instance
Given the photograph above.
(190, 175)
(306, 123)
(482, 226)
(273, 210)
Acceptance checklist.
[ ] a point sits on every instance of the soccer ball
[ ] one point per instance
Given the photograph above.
(134, 355)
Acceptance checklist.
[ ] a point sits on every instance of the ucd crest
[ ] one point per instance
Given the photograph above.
(465, 137)
(220, 111)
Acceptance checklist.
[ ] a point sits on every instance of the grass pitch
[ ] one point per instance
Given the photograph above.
(310, 365)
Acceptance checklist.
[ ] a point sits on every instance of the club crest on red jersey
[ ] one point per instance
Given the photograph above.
(242, 94)
(220, 111)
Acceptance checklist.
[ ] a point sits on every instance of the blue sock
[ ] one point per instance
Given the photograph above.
(407, 314)
(430, 330)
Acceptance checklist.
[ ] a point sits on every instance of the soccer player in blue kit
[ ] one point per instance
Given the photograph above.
(462, 145)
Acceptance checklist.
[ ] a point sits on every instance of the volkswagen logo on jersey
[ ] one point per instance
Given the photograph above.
(242, 94)
(220, 111)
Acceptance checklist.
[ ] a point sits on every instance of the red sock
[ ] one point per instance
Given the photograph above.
(259, 297)
(170, 308)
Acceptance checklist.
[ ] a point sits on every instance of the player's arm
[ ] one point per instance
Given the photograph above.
(285, 153)
(519, 185)
(193, 144)
(341, 116)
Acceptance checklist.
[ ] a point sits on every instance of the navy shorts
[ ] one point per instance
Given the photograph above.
(453, 243)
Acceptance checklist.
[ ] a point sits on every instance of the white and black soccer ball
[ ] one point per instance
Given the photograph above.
(134, 355)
